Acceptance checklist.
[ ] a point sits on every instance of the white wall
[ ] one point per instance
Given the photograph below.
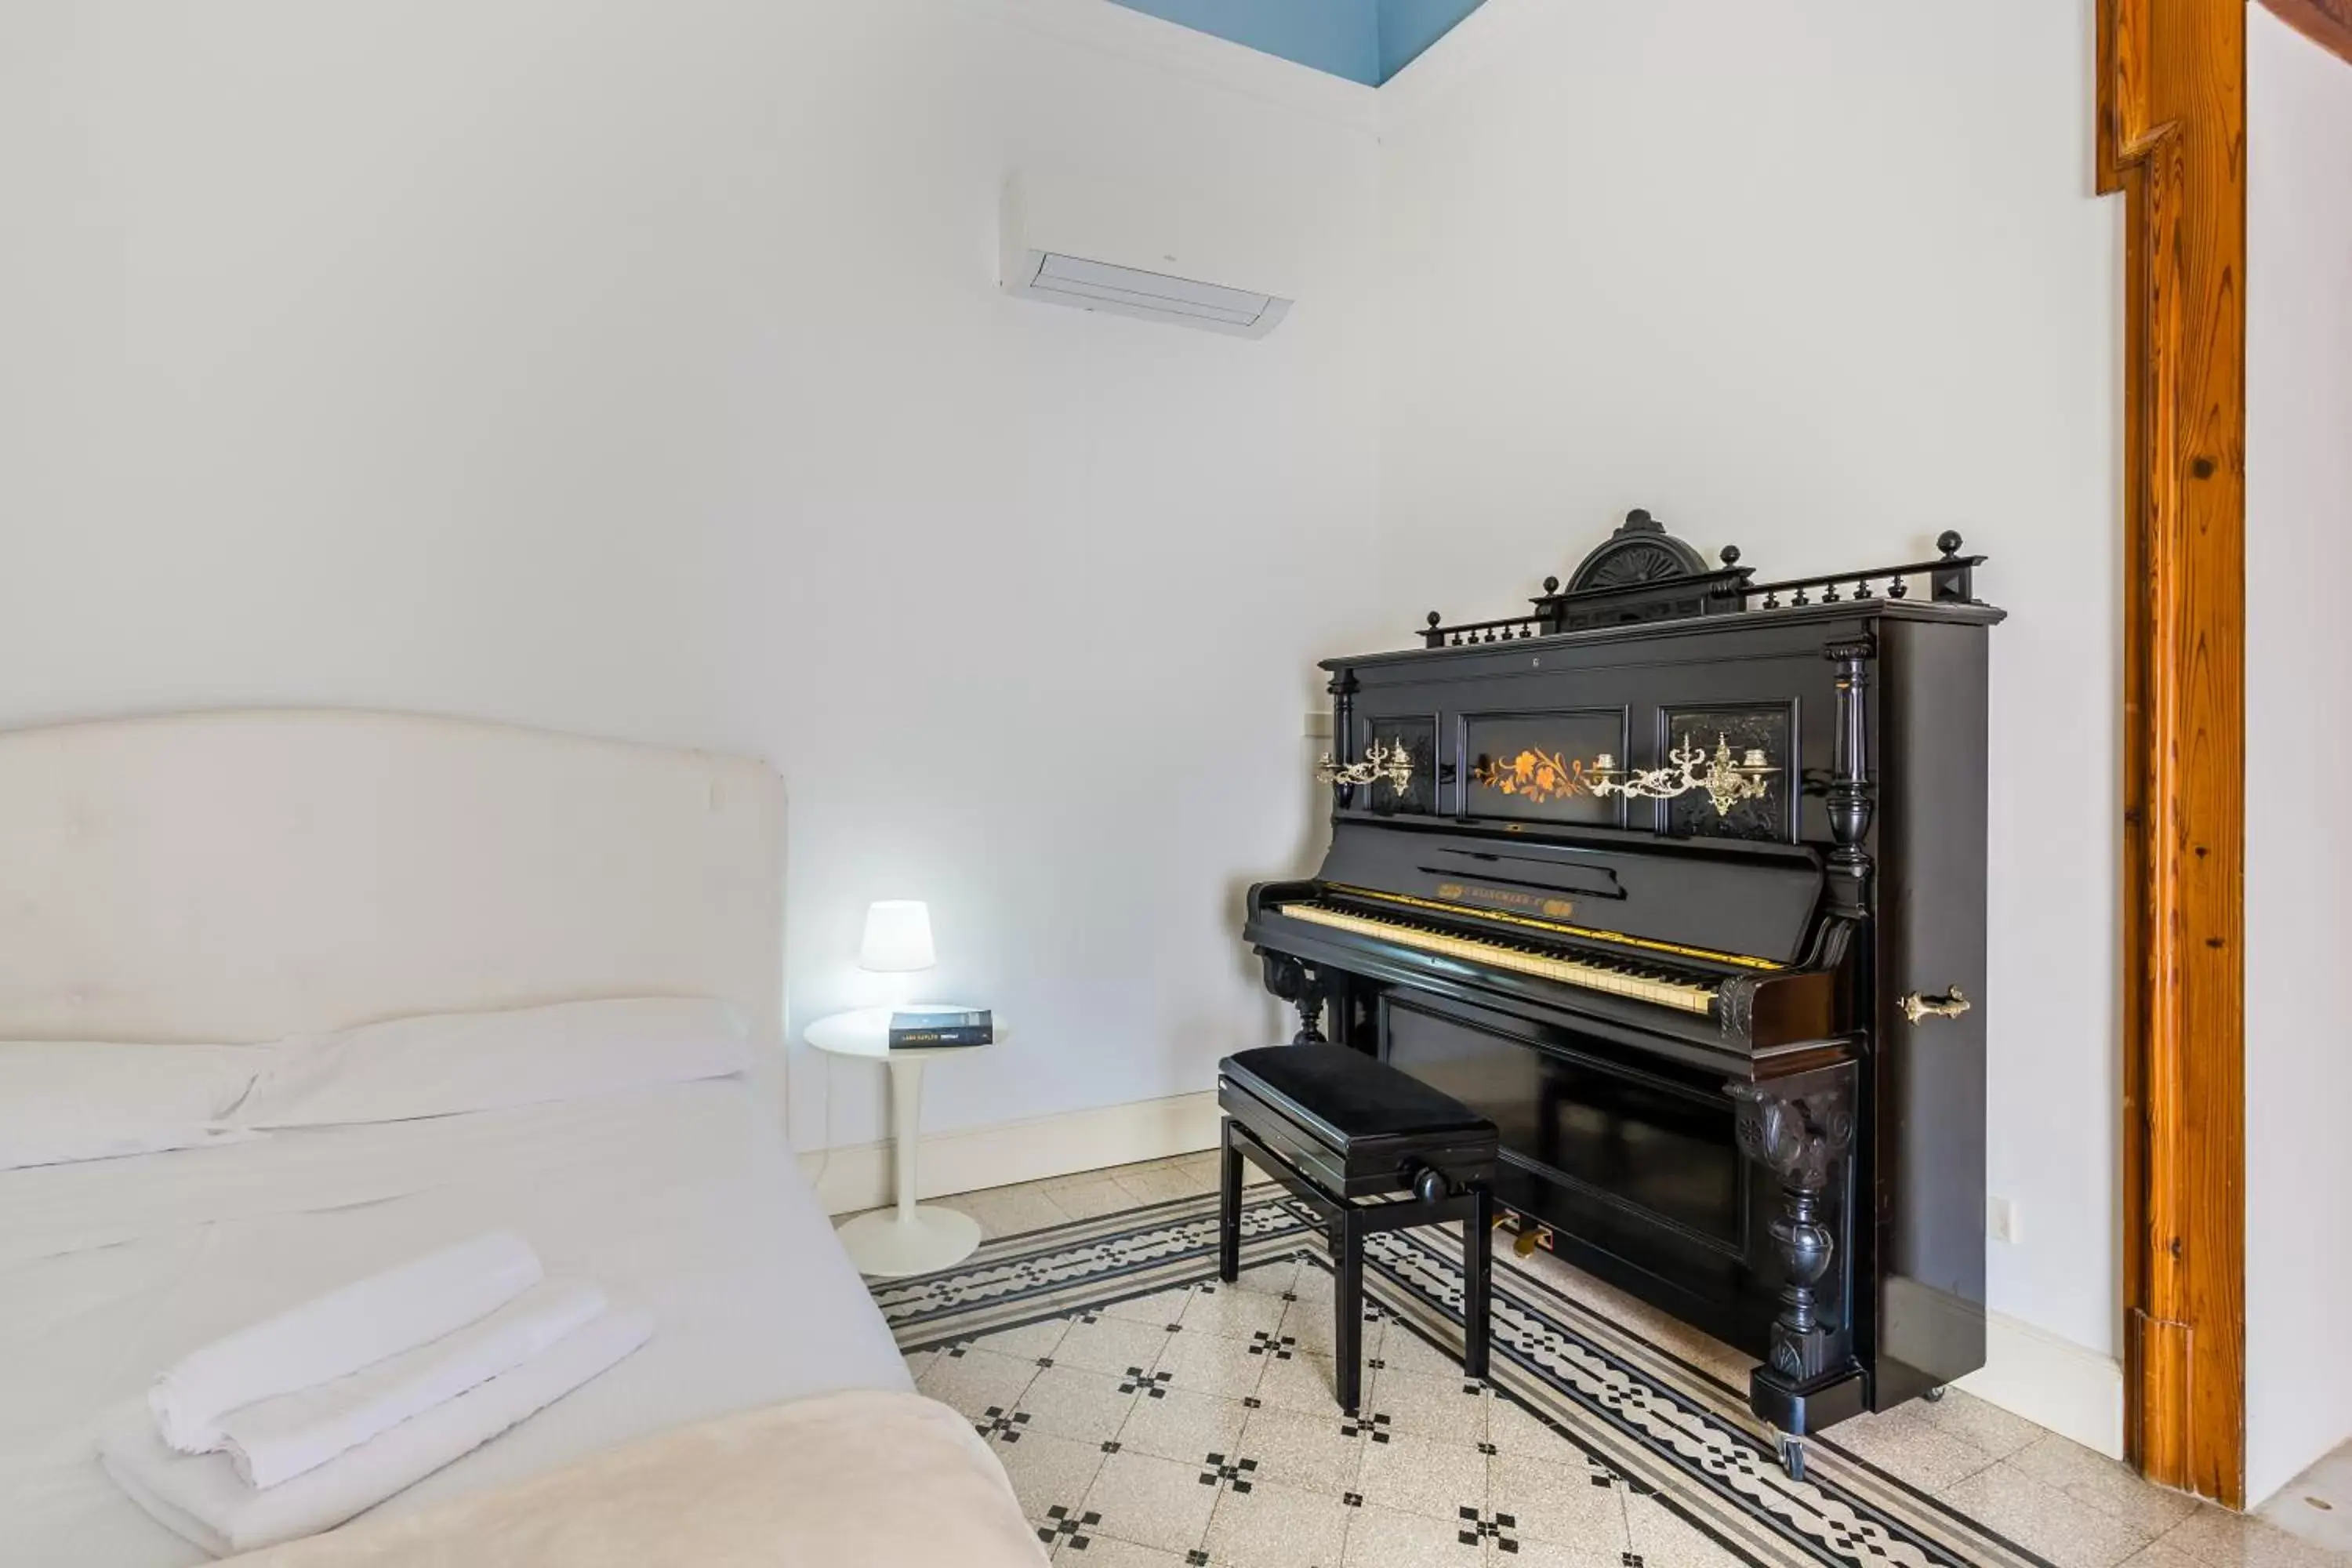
(1820, 281)
(2298, 749)
(640, 370)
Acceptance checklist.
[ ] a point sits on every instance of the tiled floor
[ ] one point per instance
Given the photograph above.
(1089, 1195)
(2072, 1506)
(2318, 1504)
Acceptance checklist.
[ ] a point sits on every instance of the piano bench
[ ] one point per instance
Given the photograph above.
(1345, 1134)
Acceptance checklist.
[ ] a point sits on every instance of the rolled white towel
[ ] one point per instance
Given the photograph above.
(335, 1334)
(277, 1439)
(203, 1498)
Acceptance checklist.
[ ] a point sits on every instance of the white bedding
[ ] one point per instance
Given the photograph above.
(683, 1199)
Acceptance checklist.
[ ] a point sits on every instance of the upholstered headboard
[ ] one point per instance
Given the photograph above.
(242, 875)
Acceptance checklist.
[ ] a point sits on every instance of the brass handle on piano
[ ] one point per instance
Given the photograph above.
(1951, 1004)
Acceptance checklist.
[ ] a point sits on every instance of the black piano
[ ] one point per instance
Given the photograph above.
(1680, 879)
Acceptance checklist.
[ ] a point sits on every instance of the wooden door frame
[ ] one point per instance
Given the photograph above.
(2172, 140)
(2327, 23)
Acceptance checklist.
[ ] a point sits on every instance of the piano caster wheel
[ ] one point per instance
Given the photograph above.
(1792, 1456)
(1934, 1395)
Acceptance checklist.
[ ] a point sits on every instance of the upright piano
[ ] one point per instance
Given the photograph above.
(1680, 879)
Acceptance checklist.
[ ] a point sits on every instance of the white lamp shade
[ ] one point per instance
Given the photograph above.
(897, 936)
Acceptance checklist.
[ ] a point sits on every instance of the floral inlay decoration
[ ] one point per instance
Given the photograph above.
(1541, 777)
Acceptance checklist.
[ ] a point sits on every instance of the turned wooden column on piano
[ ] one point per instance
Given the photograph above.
(1678, 877)
(1800, 1127)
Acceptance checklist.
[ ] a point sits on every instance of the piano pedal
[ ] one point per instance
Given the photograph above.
(1530, 1235)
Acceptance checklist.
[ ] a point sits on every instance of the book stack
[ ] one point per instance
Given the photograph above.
(931, 1028)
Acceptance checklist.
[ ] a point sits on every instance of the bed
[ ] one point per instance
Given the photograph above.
(257, 876)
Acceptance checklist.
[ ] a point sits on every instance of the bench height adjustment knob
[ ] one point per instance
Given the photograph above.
(1430, 1184)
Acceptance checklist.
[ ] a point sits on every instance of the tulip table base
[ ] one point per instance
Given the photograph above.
(889, 1243)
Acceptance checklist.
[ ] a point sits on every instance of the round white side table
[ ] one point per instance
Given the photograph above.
(911, 1237)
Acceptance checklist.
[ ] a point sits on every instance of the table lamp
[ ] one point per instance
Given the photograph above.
(898, 937)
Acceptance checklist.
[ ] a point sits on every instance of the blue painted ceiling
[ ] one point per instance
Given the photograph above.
(1363, 40)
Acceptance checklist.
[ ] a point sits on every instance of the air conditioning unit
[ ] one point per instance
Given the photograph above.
(1140, 250)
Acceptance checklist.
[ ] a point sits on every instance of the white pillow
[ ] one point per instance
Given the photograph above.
(447, 1063)
(63, 1100)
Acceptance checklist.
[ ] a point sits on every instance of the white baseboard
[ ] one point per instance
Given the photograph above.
(2052, 1382)
(966, 1159)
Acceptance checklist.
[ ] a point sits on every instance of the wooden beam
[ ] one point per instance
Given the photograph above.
(2327, 23)
(2171, 139)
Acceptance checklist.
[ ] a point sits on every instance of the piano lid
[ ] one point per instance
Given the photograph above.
(1681, 902)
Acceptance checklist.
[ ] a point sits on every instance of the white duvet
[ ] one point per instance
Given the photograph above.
(683, 1199)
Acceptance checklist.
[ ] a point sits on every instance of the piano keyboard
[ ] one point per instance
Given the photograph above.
(1626, 981)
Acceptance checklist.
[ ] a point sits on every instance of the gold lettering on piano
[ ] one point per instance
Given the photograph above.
(1508, 897)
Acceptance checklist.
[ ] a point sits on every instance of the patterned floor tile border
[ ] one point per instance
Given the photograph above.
(1632, 1412)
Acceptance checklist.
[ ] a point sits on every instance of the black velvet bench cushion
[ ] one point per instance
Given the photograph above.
(1341, 1132)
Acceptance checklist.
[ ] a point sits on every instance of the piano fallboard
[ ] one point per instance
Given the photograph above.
(1742, 905)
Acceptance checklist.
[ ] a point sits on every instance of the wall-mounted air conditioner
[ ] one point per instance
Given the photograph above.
(1140, 250)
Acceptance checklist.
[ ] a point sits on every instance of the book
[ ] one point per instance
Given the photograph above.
(943, 1027)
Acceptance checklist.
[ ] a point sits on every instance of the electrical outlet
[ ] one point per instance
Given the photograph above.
(2000, 1220)
(1318, 725)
